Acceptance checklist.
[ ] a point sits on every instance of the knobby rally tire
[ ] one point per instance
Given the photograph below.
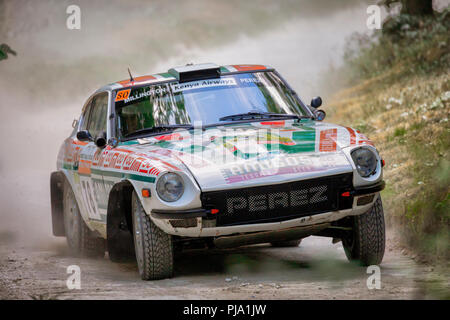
(286, 244)
(79, 238)
(367, 241)
(72, 221)
(153, 247)
(93, 247)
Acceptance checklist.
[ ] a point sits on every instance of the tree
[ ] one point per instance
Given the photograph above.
(4, 50)
(413, 7)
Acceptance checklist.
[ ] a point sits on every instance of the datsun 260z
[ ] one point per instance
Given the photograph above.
(212, 156)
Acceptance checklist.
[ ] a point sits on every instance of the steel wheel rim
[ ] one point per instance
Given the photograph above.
(71, 218)
(138, 237)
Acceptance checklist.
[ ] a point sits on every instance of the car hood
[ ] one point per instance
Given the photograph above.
(257, 153)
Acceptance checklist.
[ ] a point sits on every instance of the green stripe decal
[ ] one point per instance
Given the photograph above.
(124, 175)
(305, 141)
(128, 143)
(69, 166)
(166, 75)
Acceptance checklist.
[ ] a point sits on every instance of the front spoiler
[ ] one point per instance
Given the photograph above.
(201, 228)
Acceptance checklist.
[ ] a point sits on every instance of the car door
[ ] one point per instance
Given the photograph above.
(91, 180)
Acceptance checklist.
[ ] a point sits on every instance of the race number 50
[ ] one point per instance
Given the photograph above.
(122, 95)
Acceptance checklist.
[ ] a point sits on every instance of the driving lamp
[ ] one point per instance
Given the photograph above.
(365, 161)
(170, 187)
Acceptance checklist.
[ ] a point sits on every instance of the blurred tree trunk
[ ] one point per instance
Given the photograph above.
(417, 7)
(413, 7)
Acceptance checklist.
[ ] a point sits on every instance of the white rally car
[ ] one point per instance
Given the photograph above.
(212, 156)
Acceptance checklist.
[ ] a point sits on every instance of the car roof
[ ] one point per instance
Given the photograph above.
(170, 76)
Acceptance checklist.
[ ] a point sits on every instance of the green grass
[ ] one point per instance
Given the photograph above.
(399, 132)
(404, 71)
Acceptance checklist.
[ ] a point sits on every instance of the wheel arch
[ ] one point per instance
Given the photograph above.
(119, 226)
(59, 179)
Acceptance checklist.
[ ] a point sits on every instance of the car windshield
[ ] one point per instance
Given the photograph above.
(205, 101)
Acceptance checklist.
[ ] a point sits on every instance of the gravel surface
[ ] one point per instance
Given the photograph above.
(317, 269)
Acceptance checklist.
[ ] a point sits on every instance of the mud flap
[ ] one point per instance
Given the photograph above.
(56, 199)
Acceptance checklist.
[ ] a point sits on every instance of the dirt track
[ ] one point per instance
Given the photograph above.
(315, 270)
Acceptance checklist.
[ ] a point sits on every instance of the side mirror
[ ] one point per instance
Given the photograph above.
(84, 135)
(316, 102)
(320, 115)
(100, 141)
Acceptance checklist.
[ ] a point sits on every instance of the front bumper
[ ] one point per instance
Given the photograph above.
(201, 223)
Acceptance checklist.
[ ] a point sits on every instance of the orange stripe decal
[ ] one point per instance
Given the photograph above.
(245, 67)
(80, 143)
(273, 123)
(137, 80)
(328, 140)
(352, 136)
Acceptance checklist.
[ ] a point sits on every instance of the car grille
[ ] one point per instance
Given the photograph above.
(279, 202)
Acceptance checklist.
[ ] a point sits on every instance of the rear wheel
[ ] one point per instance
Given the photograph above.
(153, 247)
(286, 244)
(366, 242)
(80, 239)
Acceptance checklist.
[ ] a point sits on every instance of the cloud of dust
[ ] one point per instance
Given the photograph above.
(43, 88)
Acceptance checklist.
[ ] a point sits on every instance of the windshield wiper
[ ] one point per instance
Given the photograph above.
(157, 129)
(254, 115)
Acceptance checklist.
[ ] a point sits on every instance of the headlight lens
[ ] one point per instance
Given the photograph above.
(170, 187)
(365, 161)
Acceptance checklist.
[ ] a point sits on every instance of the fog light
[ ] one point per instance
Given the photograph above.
(365, 200)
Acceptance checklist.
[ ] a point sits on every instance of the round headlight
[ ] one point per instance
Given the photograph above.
(170, 187)
(365, 161)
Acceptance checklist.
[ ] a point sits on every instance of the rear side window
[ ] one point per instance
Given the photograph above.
(85, 116)
(96, 122)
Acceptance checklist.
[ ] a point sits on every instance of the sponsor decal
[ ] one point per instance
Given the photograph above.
(280, 166)
(271, 172)
(271, 201)
(250, 80)
(203, 84)
(149, 91)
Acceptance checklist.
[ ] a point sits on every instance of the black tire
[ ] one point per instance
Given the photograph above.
(366, 242)
(286, 244)
(153, 247)
(79, 238)
(93, 247)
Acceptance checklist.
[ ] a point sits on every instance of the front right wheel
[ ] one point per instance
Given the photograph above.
(366, 242)
(153, 247)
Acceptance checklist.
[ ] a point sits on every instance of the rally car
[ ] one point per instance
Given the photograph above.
(212, 156)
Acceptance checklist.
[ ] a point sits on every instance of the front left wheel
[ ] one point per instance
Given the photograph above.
(153, 247)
